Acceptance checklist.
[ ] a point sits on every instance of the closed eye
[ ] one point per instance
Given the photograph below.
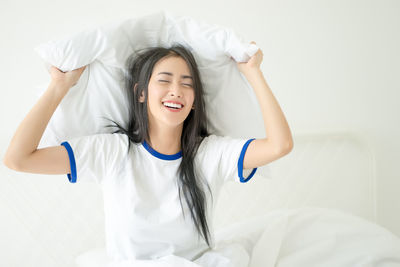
(168, 81)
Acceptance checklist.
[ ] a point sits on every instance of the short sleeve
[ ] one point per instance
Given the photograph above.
(93, 158)
(228, 153)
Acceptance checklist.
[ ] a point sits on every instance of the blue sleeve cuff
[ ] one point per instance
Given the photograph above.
(240, 163)
(71, 176)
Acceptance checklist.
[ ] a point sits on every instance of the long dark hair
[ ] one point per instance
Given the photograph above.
(140, 67)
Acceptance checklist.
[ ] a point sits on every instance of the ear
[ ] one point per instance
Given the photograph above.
(141, 98)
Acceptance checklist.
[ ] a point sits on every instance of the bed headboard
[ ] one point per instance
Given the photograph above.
(325, 169)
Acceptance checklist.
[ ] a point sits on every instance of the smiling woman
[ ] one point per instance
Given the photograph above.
(169, 87)
(170, 154)
(169, 76)
(174, 104)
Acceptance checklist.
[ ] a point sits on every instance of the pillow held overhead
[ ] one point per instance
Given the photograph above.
(100, 93)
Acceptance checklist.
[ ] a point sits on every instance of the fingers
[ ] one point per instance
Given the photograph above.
(54, 68)
(259, 50)
(81, 69)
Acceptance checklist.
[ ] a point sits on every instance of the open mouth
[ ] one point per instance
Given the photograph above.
(173, 107)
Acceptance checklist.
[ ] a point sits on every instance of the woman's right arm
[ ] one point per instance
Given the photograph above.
(22, 153)
(49, 160)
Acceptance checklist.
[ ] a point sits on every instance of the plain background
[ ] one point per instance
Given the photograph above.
(332, 65)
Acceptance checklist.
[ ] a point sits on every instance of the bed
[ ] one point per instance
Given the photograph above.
(317, 209)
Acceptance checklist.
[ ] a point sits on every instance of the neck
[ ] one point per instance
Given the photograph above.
(165, 140)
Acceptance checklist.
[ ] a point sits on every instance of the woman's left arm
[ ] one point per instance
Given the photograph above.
(279, 140)
(276, 126)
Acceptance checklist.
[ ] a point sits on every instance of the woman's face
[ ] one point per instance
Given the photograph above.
(170, 81)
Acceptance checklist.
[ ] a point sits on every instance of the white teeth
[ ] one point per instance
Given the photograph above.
(172, 105)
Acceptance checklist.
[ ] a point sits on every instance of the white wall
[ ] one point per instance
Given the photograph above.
(330, 64)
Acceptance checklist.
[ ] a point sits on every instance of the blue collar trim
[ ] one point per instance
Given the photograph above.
(160, 155)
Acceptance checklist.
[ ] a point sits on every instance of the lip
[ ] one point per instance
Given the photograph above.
(171, 101)
(173, 110)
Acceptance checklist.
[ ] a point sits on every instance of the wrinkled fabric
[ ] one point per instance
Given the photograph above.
(100, 92)
(143, 216)
(301, 237)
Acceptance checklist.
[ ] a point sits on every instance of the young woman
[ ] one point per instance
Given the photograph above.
(164, 153)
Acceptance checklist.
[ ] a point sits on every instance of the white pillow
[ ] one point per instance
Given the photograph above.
(231, 104)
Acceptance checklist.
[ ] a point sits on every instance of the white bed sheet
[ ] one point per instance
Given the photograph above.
(286, 238)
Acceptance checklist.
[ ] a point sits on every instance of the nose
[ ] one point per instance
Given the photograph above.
(175, 90)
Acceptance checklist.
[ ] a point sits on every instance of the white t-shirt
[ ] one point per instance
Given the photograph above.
(143, 216)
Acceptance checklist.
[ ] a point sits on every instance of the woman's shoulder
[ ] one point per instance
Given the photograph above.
(221, 144)
(114, 141)
(214, 139)
(207, 139)
(118, 145)
(117, 137)
(211, 142)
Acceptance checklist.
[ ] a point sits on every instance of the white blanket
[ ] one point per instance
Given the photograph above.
(287, 238)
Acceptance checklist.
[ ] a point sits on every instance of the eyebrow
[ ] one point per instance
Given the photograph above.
(182, 76)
